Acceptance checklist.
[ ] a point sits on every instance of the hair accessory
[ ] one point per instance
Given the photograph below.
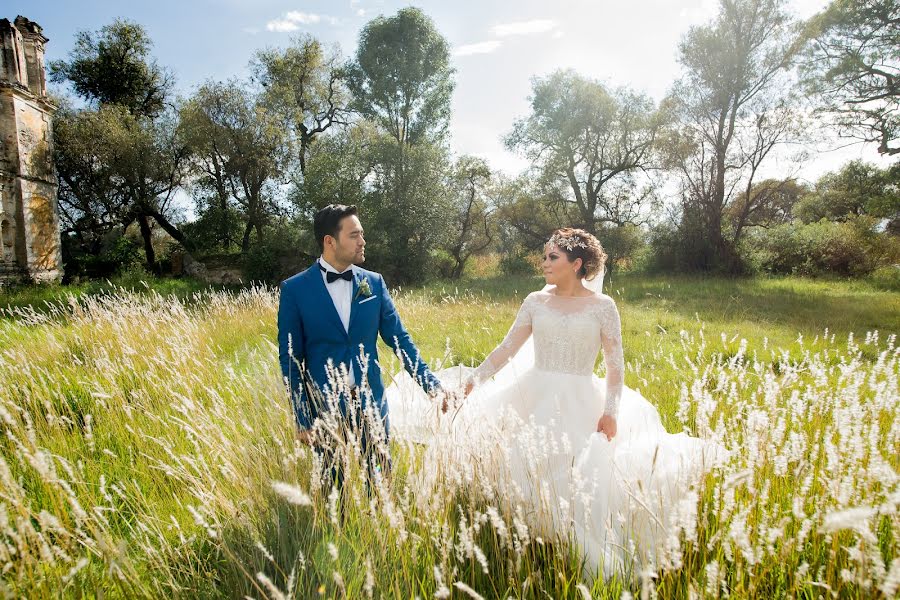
(569, 242)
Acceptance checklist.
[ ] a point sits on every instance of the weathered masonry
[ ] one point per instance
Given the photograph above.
(29, 217)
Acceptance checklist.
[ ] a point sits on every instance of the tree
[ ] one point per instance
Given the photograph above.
(766, 204)
(402, 79)
(858, 189)
(852, 64)
(117, 169)
(471, 229)
(90, 204)
(120, 160)
(338, 168)
(734, 106)
(594, 141)
(113, 66)
(406, 207)
(238, 147)
(527, 211)
(306, 85)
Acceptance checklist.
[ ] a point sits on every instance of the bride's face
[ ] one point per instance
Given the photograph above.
(556, 266)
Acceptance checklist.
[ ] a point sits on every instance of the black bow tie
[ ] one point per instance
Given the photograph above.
(331, 276)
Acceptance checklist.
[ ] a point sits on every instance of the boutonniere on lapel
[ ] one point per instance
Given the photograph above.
(364, 289)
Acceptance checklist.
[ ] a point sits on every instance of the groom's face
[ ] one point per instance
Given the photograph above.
(350, 243)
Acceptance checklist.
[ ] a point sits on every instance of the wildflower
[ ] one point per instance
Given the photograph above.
(856, 519)
(273, 590)
(467, 590)
(291, 493)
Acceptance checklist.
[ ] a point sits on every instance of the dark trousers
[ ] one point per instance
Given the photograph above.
(336, 448)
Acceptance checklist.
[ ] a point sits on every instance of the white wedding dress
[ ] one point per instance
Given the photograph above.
(527, 435)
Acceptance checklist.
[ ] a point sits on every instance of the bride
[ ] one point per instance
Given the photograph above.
(586, 459)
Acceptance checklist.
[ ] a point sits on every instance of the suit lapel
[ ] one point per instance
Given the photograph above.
(353, 297)
(324, 298)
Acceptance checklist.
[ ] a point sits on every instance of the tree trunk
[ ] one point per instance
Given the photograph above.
(169, 228)
(245, 243)
(147, 236)
(304, 147)
(458, 268)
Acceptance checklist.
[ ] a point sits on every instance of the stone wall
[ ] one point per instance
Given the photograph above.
(30, 245)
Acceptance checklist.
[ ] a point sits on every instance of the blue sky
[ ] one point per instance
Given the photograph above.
(498, 47)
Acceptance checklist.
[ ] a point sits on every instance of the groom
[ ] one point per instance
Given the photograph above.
(329, 319)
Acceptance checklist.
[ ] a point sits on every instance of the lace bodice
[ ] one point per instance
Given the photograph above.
(568, 333)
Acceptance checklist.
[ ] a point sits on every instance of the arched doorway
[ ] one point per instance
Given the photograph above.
(6, 241)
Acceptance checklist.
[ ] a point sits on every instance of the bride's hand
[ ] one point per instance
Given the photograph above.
(607, 426)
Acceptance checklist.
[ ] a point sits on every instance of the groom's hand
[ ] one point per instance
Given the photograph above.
(439, 395)
(607, 426)
(305, 436)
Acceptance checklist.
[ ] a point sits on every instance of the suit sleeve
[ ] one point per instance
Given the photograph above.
(395, 335)
(290, 355)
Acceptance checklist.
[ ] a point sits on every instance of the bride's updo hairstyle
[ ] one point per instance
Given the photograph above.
(578, 243)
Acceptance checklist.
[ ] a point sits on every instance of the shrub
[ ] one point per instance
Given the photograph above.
(519, 262)
(441, 263)
(850, 248)
(283, 251)
(887, 277)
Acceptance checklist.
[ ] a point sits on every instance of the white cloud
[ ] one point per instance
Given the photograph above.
(360, 12)
(293, 19)
(478, 48)
(282, 26)
(524, 27)
(303, 18)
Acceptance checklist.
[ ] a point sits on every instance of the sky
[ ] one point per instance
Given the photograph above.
(498, 48)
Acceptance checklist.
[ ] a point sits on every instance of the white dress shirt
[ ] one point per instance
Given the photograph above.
(341, 292)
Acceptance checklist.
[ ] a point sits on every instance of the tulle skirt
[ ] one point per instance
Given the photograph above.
(530, 440)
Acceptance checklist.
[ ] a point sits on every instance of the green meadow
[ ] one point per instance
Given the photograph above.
(148, 448)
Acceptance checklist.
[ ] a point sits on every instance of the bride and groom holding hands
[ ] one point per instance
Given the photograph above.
(541, 375)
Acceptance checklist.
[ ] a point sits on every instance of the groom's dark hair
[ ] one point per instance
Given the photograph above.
(328, 221)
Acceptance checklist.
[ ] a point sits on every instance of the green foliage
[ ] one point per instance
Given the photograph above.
(284, 251)
(442, 263)
(115, 252)
(518, 263)
(406, 210)
(402, 78)
(593, 143)
(851, 65)
(528, 211)
(849, 248)
(238, 153)
(685, 247)
(215, 229)
(119, 161)
(887, 277)
(622, 245)
(734, 104)
(337, 168)
(114, 66)
(305, 84)
(769, 202)
(472, 228)
(857, 189)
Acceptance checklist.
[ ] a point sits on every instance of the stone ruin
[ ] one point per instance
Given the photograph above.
(30, 248)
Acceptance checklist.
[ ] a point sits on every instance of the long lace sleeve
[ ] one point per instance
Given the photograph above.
(517, 335)
(613, 356)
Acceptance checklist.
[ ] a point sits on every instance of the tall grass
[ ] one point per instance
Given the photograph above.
(148, 449)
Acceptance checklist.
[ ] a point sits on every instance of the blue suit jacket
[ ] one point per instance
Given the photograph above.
(310, 334)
